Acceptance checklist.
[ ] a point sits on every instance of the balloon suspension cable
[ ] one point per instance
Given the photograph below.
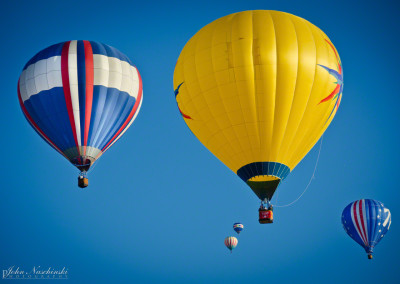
(265, 203)
(94, 164)
(311, 179)
(83, 174)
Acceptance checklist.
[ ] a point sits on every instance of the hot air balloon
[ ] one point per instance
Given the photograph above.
(366, 221)
(258, 89)
(231, 243)
(80, 96)
(238, 227)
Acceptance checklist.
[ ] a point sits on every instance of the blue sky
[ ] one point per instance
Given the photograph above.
(159, 204)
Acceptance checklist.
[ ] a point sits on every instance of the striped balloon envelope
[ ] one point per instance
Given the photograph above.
(366, 221)
(238, 227)
(231, 243)
(80, 96)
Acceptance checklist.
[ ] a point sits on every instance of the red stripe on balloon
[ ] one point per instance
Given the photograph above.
(89, 89)
(356, 219)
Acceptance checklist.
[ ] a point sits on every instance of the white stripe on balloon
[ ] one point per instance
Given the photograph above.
(73, 86)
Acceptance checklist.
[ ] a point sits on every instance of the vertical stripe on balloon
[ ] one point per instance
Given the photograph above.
(89, 89)
(369, 213)
(73, 85)
(81, 84)
(66, 88)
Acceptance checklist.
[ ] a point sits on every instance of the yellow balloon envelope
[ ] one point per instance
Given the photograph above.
(258, 89)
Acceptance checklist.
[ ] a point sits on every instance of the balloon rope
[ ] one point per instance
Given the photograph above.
(95, 164)
(311, 179)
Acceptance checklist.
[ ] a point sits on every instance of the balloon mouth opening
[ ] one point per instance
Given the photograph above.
(263, 178)
(83, 163)
(263, 171)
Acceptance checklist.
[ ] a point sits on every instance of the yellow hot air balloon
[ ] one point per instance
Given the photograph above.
(258, 89)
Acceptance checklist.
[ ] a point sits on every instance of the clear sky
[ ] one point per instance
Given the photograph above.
(159, 204)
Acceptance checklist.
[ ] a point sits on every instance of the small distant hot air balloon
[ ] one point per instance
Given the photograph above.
(258, 89)
(366, 221)
(80, 96)
(231, 243)
(238, 227)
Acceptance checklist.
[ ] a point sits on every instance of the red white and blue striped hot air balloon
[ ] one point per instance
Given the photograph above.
(230, 243)
(366, 221)
(238, 227)
(80, 96)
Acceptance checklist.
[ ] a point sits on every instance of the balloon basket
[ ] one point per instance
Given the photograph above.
(265, 216)
(83, 181)
(370, 256)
